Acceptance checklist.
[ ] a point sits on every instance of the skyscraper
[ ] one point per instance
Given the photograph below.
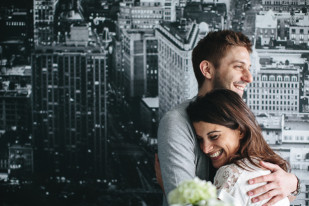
(275, 90)
(69, 107)
(136, 23)
(69, 100)
(176, 77)
(43, 20)
(140, 58)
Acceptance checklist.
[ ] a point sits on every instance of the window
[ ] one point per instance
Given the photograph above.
(271, 78)
(279, 78)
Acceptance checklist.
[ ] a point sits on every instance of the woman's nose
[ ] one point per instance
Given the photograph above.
(207, 147)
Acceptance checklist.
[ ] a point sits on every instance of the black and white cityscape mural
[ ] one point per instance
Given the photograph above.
(84, 83)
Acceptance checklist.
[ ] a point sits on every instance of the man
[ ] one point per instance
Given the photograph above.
(220, 60)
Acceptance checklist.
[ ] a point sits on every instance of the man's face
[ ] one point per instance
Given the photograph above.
(233, 72)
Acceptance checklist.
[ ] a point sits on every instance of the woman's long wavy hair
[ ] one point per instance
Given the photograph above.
(226, 108)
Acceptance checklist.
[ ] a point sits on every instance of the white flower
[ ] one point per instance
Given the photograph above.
(195, 192)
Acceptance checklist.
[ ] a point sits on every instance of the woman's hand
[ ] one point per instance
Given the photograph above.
(280, 184)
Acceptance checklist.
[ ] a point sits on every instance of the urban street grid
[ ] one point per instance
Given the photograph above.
(84, 84)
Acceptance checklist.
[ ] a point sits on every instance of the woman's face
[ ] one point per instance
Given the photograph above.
(217, 141)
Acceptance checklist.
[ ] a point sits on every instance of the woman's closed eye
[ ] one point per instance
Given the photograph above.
(213, 137)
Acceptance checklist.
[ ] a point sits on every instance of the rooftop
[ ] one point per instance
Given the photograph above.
(18, 91)
(280, 67)
(276, 57)
(303, 22)
(151, 102)
(268, 20)
(297, 125)
(269, 122)
(182, 29)
(19, 71)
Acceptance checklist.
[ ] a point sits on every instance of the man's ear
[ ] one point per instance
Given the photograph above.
(207, 69)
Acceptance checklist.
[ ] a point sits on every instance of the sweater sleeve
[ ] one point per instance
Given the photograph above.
(176, 150)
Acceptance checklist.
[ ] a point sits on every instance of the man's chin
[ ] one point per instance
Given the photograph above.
(239, 92)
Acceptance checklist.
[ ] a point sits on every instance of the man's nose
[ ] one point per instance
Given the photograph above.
(247, 76)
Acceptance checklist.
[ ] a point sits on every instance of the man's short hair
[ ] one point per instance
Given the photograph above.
(213, 48)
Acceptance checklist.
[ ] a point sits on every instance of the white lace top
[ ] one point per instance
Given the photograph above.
(232, 184)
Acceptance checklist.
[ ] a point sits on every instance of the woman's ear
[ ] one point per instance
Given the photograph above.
(241, 134)
(207, 69)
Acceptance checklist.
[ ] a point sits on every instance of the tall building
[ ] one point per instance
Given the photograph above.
(140, 14)
(20, 161)
(149, 108)
(170, 10)
(69, 106)
(284, 5)
(271, 127)
(266, 28)
(139, 46)
(140, 59)
(295, 136)
(43, 20)
(299, 31)
(176, 77)
(70, 102)
(275, 90)
(15, 100)
(214, 14)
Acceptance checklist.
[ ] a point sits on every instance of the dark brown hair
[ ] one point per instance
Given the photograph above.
(226, 108)
(213, 48)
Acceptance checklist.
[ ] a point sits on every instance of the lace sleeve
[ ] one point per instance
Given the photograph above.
(226, 177)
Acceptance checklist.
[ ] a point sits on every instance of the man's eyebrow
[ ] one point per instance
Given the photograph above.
(238, 61)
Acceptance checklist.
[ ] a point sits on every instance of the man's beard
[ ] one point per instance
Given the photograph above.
(218, 84)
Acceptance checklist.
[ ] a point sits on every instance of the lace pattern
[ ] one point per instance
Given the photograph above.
(227, 176)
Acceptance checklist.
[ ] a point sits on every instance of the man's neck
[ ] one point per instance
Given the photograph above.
(204, 89)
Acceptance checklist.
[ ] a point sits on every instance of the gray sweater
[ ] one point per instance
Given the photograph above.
(179, 153)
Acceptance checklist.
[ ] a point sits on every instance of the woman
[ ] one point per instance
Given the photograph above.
(229, 134)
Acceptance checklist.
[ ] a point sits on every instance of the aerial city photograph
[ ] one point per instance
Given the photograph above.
(85, 83)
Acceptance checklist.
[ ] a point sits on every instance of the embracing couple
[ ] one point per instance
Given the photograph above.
(216, 137)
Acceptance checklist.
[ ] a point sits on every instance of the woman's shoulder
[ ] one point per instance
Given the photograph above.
(228, 175)
(232, 182)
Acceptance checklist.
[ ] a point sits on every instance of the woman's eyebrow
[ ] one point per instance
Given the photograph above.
(212, 132)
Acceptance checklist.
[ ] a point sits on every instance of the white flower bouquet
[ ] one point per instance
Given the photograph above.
(195, 192)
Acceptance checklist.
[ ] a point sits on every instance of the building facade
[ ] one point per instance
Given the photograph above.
(299, 31)
(140, 63)
(275, 90)
(266, 28)
(176, 77)
(15, 98)
(69, 108)
(140, 15)
(284, 5)
(43, 21)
